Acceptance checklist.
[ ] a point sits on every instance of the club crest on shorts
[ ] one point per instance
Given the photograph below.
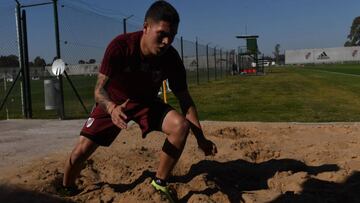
(89, 122)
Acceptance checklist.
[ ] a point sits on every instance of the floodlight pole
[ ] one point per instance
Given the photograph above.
(26, 76)
(61, 108)
(21, 61)
(124, 22)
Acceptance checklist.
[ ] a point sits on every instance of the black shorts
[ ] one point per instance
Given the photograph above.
(149, 115)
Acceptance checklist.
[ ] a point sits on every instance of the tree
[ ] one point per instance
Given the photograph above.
(91, 61)
(9, 61)
(277, 53)
(354, 36)
(39, 62)
(81, 62)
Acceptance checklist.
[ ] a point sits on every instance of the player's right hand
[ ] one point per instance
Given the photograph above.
(118, 116)
(207, 146)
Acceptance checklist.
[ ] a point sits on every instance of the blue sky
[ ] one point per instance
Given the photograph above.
(294, 24)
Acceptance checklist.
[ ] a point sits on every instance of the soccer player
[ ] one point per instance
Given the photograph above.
(131, 73)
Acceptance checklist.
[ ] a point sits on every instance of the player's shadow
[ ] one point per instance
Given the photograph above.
(315, 190)
(14, 194)
(233, 177)
(123, 187)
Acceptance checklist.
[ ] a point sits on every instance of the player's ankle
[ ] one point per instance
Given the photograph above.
(160, 181)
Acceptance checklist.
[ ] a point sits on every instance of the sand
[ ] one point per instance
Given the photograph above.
(256, 162)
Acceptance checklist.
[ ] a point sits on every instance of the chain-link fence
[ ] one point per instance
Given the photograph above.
(84, 35)
(9, 64)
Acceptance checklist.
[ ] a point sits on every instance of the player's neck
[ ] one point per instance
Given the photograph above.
(145, 52)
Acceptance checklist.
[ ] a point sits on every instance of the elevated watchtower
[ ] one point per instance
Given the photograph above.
(250, 50)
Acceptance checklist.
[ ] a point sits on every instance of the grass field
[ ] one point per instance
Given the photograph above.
(73, 109)
(309, 94)
(337, 68)
(321, 93)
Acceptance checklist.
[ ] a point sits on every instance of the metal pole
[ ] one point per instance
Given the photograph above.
(207, 62)
(262, 67)
(227, 63)
(61, 110)
(21, 57)
(182, 48)
(124, 25)
(32, 5)
(215, 60)
(197, 62)
(76, 93)
(58, 54)
(221, 63)
(28, 107)
(6, 108)
(238, 61)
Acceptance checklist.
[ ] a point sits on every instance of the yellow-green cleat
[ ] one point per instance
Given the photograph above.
(166, 191)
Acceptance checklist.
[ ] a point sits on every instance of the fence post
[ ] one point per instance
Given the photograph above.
(227, 63)
(182, 48)
(197, 61)
(61, 110)
(207, 61)
(215, 60)
(6, 107)
(21, 61)
(221, 68)
(26, 76)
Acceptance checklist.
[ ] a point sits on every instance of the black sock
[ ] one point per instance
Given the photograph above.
(160, 181)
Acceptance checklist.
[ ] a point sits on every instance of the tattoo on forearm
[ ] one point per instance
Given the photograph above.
(101, 96)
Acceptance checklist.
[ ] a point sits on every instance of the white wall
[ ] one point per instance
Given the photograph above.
(325, 55)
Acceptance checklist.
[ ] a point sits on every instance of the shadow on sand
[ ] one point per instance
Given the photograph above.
(315, 190)
(230, 178)
(233, 177)
(13, 194)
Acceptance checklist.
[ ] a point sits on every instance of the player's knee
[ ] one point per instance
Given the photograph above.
(78, 156)
(182, 126)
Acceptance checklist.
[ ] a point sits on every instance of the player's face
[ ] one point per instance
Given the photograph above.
(158, 36)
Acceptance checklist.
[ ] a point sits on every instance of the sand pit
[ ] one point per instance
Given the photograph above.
(257, 162)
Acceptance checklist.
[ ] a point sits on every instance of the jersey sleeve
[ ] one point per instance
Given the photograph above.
(177, 73)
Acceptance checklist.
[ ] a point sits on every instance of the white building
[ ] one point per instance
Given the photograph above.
(322, 55)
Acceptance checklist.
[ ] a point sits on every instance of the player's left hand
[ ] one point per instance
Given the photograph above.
(207, 146)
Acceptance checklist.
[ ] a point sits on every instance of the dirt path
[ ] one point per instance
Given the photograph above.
(24, 140)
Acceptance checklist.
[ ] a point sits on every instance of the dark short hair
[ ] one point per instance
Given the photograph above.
(162, 11)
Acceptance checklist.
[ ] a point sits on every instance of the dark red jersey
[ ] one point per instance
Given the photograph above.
(136, 77)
